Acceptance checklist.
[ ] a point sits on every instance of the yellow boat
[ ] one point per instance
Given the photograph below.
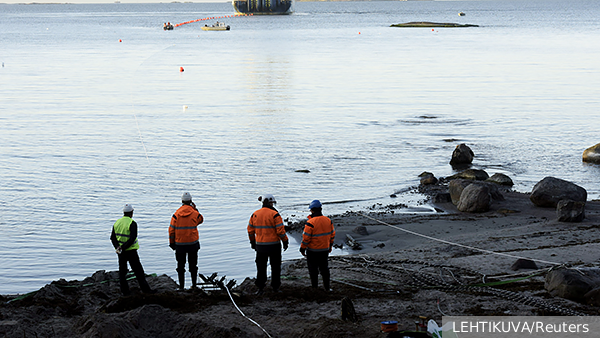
(218, 26)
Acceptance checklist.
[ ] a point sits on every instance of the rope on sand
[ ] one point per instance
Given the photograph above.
(240, 311)
(458, 244)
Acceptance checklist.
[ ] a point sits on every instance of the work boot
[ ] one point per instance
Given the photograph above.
(181, 280)
(194, 280)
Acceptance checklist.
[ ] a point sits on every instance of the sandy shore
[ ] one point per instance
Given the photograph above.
(410, 265)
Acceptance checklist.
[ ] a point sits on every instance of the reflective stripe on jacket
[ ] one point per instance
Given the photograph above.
(184, 226)
(123, 232)
(319, 234)
(266, 227)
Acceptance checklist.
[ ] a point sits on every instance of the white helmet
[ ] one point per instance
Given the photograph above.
(267, 198)
(128, 208)
(186, 197)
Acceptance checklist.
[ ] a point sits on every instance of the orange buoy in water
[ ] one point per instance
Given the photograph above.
(120, 40)
(181, 69)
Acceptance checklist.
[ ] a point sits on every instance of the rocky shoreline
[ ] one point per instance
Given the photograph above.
(409, 265)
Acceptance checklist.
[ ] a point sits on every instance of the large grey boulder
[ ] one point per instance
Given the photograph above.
(475, 198)
(550, 190)
(457, 186)
(570, 211)
(462, 155)
(572, 284)
(592, 154)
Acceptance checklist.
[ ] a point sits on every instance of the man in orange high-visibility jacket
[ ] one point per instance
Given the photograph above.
(266, 233)
(317, 242)
(184, 238)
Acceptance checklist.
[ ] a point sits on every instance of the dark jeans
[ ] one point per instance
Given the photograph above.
(317, 261)
(273, 255)
(131, 257)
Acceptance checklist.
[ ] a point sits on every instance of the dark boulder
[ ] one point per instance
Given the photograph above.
(500, 179)
(570, 211)
(523, 263)
(442, 197)
(462, 155)
(361, 230)
(592, 154)
(471, 174)
(550, 190)
(572, 284)
(428, 178)
(592, 297)
(456, 187)
(475, 198)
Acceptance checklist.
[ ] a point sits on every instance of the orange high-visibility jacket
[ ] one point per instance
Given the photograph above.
(266, 227)
(184, 226)
(319, 234)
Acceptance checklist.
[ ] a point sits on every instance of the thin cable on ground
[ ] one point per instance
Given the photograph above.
(457, 244)
(438, 306)
(250, 319)
(529, 272)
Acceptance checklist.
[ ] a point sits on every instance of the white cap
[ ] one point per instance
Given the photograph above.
(186, 197)
(128, 208)
(267, 198)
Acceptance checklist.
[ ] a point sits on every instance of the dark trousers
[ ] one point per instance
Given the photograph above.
(318, 261)
(273, 256)
(131, 257)
(189, 253)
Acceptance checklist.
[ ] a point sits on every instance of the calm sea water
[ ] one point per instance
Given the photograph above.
(92, 116)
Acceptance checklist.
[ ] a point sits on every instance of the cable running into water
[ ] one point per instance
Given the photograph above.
(133, 104)
(141, 139)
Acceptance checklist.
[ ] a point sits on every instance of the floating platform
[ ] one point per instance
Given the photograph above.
(427, 24)
(263, 7)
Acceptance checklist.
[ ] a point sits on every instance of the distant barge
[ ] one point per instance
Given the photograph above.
(267, 7)
(432, 24)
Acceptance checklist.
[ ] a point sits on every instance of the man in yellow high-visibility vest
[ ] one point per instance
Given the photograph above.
(124, 239)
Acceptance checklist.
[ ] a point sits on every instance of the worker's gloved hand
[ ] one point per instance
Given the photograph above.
(253, 245)
(285, 245)
(330, 248)
(172, 246)
(303, 251)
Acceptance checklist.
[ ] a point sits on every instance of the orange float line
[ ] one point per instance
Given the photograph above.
(210, 18)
